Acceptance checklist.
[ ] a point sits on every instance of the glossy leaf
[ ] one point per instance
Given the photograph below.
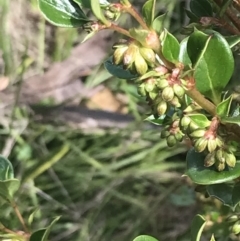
(200, 119)
(212, 61)
(183, 54)
(233, 40)
(223, 192)
(145, 238)
(223, 108)
(8, 188)
(158, 23)
(42, 234)
(170, 47)
(63, 13)
(37, 235)
(117, 70)
(6, 169)
(231, 119)
(148, 11)
(201, 8)
(197, 226)
(97, 11)
(200, 174)
(156, 121)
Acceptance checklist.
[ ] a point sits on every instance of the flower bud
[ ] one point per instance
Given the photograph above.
(219, 155)
(140, 64)
(185, 121)
(150, 84)
(130, 55)
(153, 94)
(118, 55)
(162, 83)
(230, 159)
(200, 144)
(193, 126)
(198, 133)
(236, 228)
(212, 145)
(141, 90)
(165, 133)
(175, 102)
(232, 218)
(148, 55)
(171, 141)
(168, 93)
(162, 107)
(162, 70)
(209, 160)
(178, 90)
(179, 136)
(220, 166)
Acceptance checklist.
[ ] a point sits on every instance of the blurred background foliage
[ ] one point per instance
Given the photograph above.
(108, 184)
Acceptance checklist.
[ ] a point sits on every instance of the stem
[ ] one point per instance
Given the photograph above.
(6, 230)
(132, 11)
(119, 29)
(19, 215)
(202, 101)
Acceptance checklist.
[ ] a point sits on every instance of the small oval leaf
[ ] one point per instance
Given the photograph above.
(63, 13)
(117, 70)
(158, 23)
(223, 108)
(200, 174)
(213, 62)
(148, 11)
(183, 54)
(8, 188)
(96, 8)
(170, 47)
(200, 120)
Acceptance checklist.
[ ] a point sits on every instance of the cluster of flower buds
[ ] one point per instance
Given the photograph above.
(220, 158)
(112, 11)
(161, 90)
(172, 133)
(133, 56)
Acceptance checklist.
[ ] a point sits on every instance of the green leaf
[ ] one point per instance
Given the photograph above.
(6, 169)
(42, 234)
(212, 61)
(223, 108)
(232, 119)
(200, 174)
(170, 47)
(183, 54)
(197, 226)
(117, 70)
(37, 235)
(233, 40)
(97, 11)
(63, 13)
(156, 121)
(223, 192)
(201, 8)
(8, 188)
(200, 119)
(191, 16)
(158, 22)
(145, 238)
(227, 194)
(148, 11)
